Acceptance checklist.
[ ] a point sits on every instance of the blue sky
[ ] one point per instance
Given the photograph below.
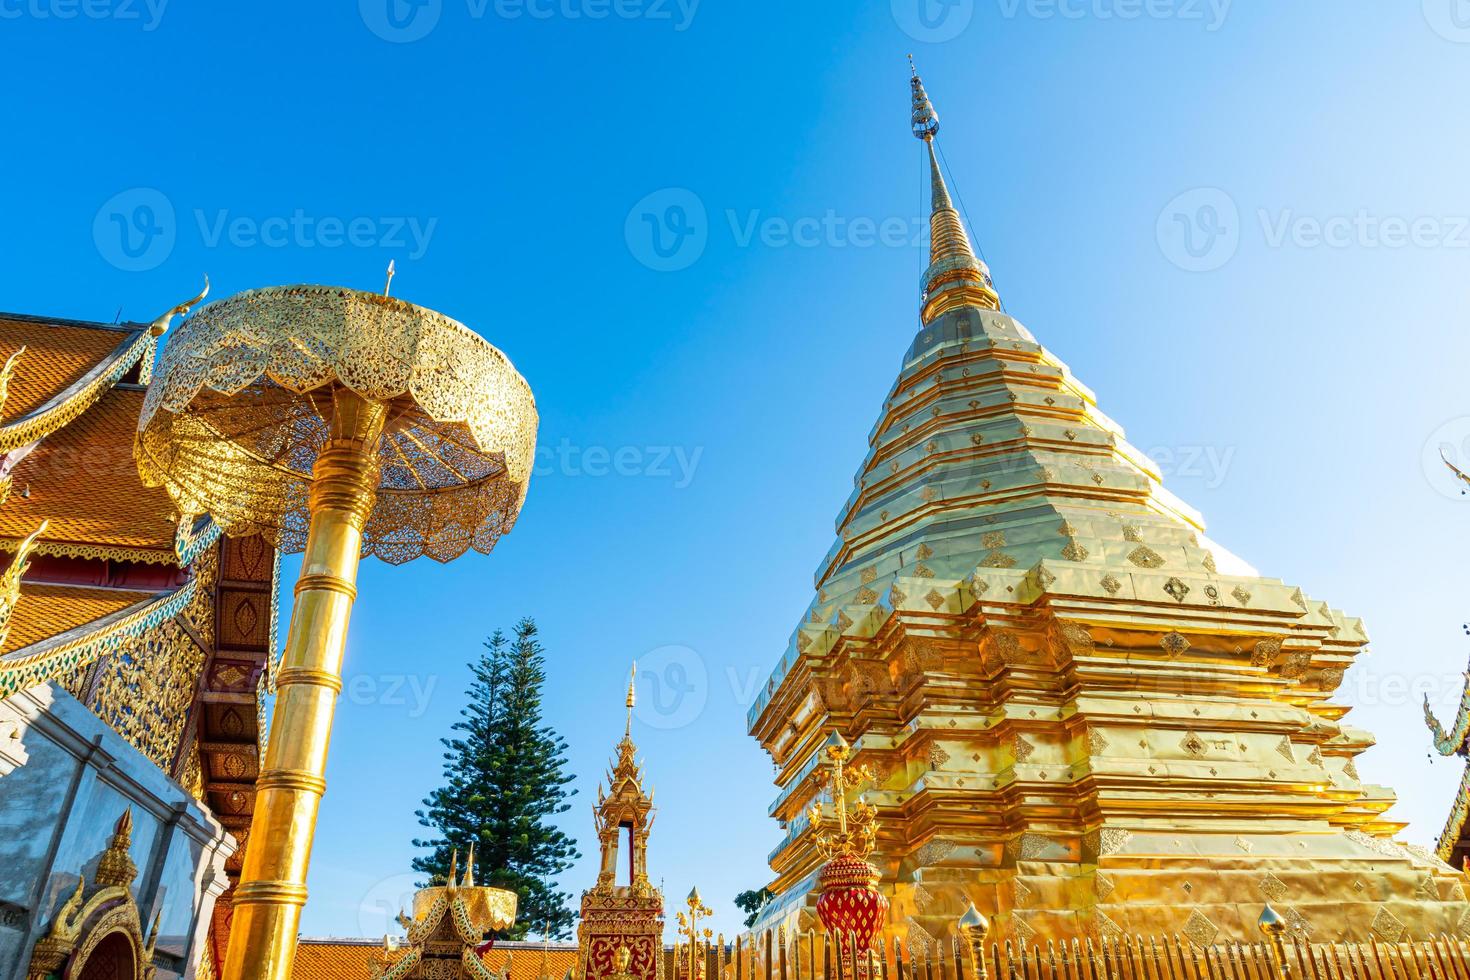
(1244, 224)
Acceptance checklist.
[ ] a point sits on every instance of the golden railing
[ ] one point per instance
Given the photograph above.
(780, 955)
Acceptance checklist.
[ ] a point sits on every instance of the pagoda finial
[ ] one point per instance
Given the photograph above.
(924, 119)
(955, 277)
(632, 700)
(469, 868)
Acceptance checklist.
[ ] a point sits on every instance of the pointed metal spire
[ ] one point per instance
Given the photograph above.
(632, 700)
(956, 276)
(469, 868)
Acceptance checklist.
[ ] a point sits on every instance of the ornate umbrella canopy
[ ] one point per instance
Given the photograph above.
(241, 398)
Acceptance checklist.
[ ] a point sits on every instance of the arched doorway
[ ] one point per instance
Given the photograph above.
(111, 959)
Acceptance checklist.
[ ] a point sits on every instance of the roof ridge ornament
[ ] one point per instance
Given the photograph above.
(10, 581)
(160, 326)
(6, 373)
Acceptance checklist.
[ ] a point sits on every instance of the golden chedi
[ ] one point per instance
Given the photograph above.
(1083, 715)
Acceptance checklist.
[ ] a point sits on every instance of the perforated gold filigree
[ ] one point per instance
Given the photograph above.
(238, 410)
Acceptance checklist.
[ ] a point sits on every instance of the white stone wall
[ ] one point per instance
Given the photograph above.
(65, 778)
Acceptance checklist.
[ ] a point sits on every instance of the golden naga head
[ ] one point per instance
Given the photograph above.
(159, 327)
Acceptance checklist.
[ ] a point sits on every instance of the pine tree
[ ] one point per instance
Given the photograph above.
(504, 780)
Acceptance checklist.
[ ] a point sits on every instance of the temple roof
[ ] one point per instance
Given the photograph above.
(44, 611)
(349, 959)
(109, 556)
(82, 479)
(59, 353)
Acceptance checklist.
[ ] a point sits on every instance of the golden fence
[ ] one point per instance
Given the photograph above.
(816, 956)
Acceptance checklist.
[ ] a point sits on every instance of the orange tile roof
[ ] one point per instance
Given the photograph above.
(57, 354)
(348, 959)
(83, 479)
(44, 611)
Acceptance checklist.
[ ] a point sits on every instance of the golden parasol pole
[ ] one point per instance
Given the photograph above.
(272, 889)
(373, 426)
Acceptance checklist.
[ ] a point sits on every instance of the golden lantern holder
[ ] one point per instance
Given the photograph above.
(693, 935)
(851, 907)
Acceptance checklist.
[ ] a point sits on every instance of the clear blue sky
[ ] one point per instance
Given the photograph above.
(1292, 379)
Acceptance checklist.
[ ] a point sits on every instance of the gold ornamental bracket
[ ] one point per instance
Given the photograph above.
(856, 830)
(241, 405)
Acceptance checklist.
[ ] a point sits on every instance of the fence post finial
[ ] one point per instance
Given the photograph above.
(1273, 927)
(974, 927)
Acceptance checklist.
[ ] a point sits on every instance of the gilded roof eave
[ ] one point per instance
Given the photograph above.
(55, 655)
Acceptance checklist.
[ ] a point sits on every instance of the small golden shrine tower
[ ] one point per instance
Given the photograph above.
(622, 924)
(448, 930)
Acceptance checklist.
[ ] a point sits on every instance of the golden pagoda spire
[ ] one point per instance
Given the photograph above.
(632, 700)
(955, 277)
